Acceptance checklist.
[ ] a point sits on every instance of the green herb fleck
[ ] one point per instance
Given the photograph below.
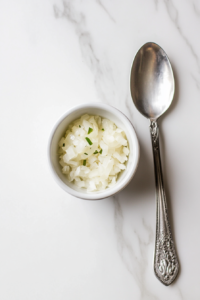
(84, 162)
(64, 145)
(101, 151)
(90, 130)
(88, 140)
(79, 126)
(95, 152)
(85, 153)
(102, 129)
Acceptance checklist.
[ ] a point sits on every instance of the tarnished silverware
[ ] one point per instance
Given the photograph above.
(152, 90)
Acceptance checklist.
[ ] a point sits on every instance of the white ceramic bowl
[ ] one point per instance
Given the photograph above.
(59, 130)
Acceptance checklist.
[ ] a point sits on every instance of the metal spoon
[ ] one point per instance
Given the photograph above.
(152, 90)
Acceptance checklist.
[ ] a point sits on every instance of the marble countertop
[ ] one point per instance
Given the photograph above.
(54, 55)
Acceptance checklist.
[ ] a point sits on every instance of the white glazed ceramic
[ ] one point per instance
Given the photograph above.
(59, 130)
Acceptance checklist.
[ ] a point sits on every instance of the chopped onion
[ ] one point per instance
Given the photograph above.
(93, 152)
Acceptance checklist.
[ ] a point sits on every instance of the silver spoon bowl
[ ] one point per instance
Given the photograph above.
(152, 90)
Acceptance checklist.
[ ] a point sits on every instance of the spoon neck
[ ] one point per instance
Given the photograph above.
(154, 130)
(152, 120)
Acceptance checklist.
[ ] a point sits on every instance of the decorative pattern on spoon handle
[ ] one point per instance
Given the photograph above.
(166, 264)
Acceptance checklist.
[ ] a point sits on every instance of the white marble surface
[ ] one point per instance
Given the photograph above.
(56, 54)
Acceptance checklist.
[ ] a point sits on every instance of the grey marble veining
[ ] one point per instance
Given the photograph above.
(107, 12)
(174, 16)
(134, 264)
(101, 69)
(54, 55)
(104, 78)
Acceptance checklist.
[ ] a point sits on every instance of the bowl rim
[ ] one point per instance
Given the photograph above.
(116, 188)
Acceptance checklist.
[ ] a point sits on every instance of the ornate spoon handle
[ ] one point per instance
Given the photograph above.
(166, 265)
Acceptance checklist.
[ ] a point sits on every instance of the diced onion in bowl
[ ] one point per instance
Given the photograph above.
(93, 152)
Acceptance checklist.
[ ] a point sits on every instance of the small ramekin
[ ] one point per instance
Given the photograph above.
(59, 130)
